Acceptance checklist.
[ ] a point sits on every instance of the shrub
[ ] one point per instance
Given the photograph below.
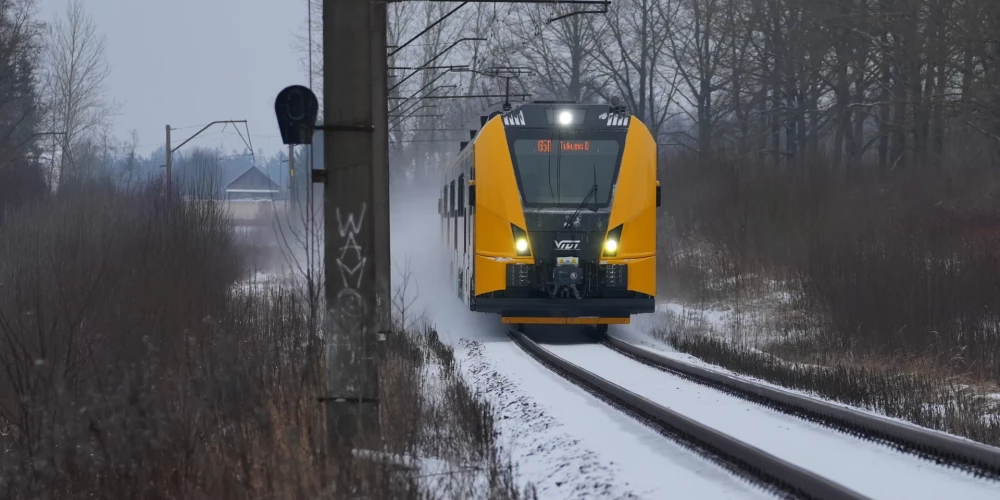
(132, 367)
(897, 263)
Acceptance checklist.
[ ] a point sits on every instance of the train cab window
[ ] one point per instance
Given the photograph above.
(452, 198)
(562, 173)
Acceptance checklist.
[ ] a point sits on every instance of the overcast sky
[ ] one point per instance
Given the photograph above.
(191, 62)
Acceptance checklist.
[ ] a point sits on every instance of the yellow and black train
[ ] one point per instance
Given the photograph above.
(549, 213)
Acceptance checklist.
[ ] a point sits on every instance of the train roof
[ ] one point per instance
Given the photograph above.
(548, 114)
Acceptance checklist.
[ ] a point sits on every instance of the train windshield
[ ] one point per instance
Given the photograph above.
(561, 173)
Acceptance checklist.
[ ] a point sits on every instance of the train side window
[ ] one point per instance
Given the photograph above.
(461, 211)
(454, 211)
(461, 195)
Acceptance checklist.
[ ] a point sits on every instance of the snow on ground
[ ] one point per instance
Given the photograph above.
(437, 474)
(661, 349)
(713, 319)
(572, 445)
(433, 474)
(639, 333)
(562, 439)
(868, 468)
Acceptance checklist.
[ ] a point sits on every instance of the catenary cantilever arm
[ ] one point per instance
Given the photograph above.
(460, 40)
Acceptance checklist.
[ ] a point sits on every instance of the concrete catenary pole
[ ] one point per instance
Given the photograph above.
(380, 165)
(349, 212)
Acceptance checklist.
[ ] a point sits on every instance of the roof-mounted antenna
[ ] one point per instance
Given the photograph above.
(506, 73)
(617, 105)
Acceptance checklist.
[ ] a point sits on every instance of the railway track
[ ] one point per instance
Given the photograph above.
(780, 475)
(976, 458)
(772, 471)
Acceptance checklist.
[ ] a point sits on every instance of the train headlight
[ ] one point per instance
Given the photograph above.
(612, 240)
(521, 244)
(565, 118)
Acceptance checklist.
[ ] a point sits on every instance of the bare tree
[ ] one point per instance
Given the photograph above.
(697, 45)
(21, 178)
(75, 79)
(19, 45)
(560, 52)
(630, 53)
(897, 81)
(309, 45)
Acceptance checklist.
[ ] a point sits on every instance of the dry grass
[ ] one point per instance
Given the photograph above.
(130, 367)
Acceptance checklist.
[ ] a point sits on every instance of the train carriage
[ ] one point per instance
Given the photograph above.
(549, 213)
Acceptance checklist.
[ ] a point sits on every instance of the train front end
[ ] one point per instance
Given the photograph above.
(566, 216)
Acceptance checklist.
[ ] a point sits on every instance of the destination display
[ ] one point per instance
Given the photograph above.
(545, 146)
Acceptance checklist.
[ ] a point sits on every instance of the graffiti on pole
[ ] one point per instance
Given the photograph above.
(350, 303)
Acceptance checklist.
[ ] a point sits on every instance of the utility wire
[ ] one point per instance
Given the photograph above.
(310, 217)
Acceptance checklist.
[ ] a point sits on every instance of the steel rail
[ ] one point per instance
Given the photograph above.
(750, 459)
(982, 459)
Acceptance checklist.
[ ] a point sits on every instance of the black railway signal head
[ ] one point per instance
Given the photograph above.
(296, 109)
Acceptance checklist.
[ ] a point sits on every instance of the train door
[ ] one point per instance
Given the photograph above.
(470, 258)
(467, 221)
(452, 229)
(467, 257)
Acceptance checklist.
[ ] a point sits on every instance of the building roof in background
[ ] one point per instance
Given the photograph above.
(252, 180)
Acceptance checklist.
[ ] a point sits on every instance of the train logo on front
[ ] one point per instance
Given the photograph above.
(567, 244)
